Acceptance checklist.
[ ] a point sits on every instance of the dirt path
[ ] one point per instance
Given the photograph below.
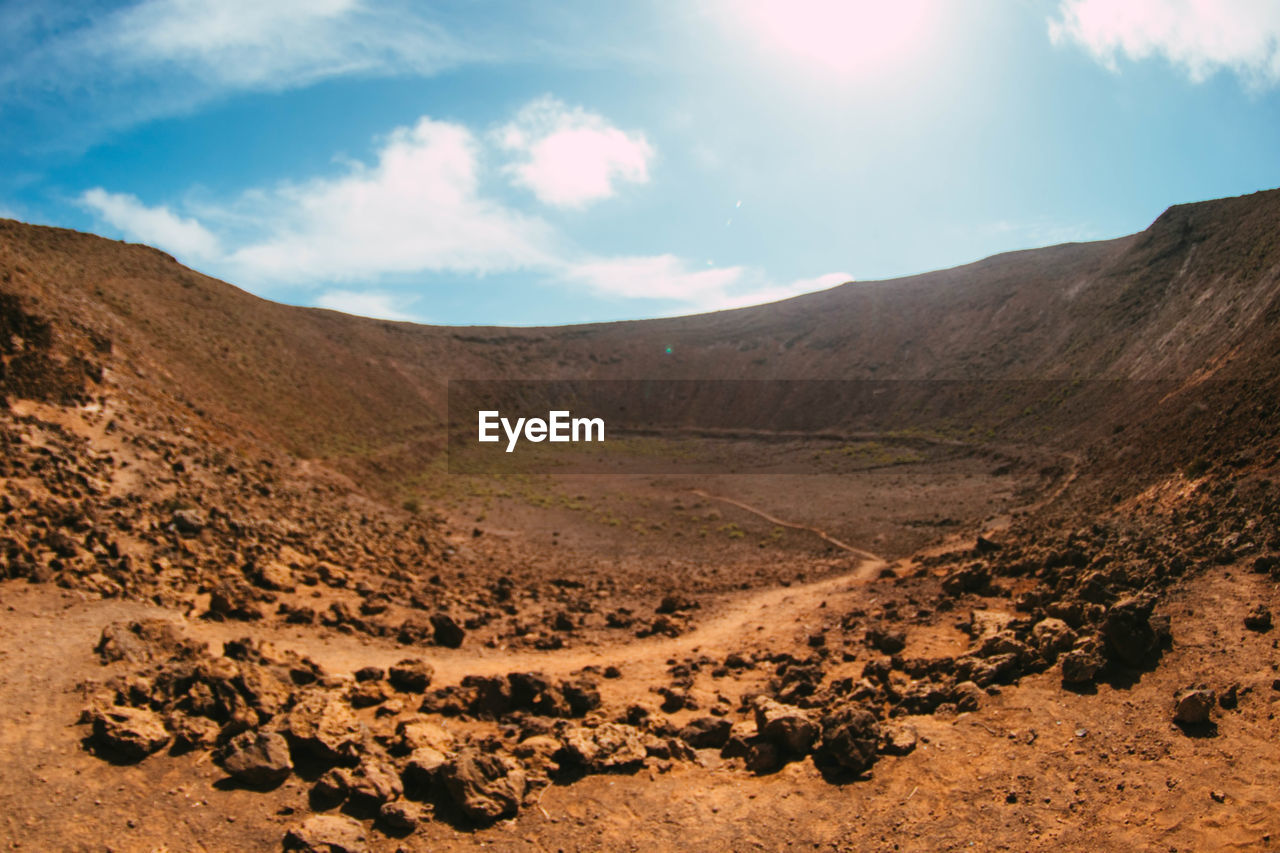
(821, 534)
(745, 619)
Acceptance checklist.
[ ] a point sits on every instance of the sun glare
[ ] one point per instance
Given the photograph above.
(848, 38)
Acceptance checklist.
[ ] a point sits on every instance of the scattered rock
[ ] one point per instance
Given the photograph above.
(974, 577)
(1052, 637)
(323, 725)
(188, 522)
(706, 732)
(789, 728)
(887, 640)
(127, 734)
(850, 738)
(258, 759)
(418, 732)
(411, 675)
(372, 784)
(899, 740)
(673, 603)
(581, 694)
(446, 632)
(422, 770)
(764, 757)
(609, 746)
(144, 641)
(327, 834)
(370, 673)
(1193, 706)
(484, 786)
(274, 575)
(1081, 665)
(401, 816)
(1258, 619)
(967, 696)
(364, 694)
(986, 546)
(1129, 632)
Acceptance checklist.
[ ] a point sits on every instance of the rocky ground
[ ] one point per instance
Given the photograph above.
(249, 638)
(214, 636)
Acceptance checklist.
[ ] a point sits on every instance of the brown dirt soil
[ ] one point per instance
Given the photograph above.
(990, 622)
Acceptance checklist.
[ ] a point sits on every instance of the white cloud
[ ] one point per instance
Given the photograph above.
(653, 277)
(571, 157)
(1202, 36)
(416, 209)
(666, 277)
(157, 226)
(772, 293)
(376, 304)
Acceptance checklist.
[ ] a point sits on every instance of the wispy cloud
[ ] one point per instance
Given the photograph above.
(377, 304)
(670, 279)
(1029, 235)
(653, 277)
(1242, 36)
(157, 226)
(569, 157)
(247, 44)
(80, 70)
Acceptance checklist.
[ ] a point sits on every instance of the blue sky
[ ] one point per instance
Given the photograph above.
(529, 163)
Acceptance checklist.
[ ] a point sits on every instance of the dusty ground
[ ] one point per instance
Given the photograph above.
(1037, 768)
(226, 524)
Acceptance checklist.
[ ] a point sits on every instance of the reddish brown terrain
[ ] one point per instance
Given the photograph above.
(1022, 601)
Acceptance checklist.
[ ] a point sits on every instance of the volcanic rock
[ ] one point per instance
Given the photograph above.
(417, 732)
(898, 740)
(401, 816)
(850, 738)
(789, 728)
(609, 746)
(422, 770)
(974, 577)
(411, 675)
(128, 734)
(1052, 637)
(446, 632)
(967, 696)
(188, 522)
(887, 640)
(1081, 665)
(1129, 632)
(706, 732)
(373, 783)
(258, 759)
(327, 834)
(1258, 619)
(484, 786)
(323, 725)
(1192, 706)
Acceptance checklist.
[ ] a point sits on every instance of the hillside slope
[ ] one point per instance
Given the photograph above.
(1046, 625)
(1196, 295)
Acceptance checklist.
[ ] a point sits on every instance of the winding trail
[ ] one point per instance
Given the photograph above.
(821, 534)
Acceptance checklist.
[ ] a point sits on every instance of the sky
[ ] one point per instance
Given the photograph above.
(514, 163)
